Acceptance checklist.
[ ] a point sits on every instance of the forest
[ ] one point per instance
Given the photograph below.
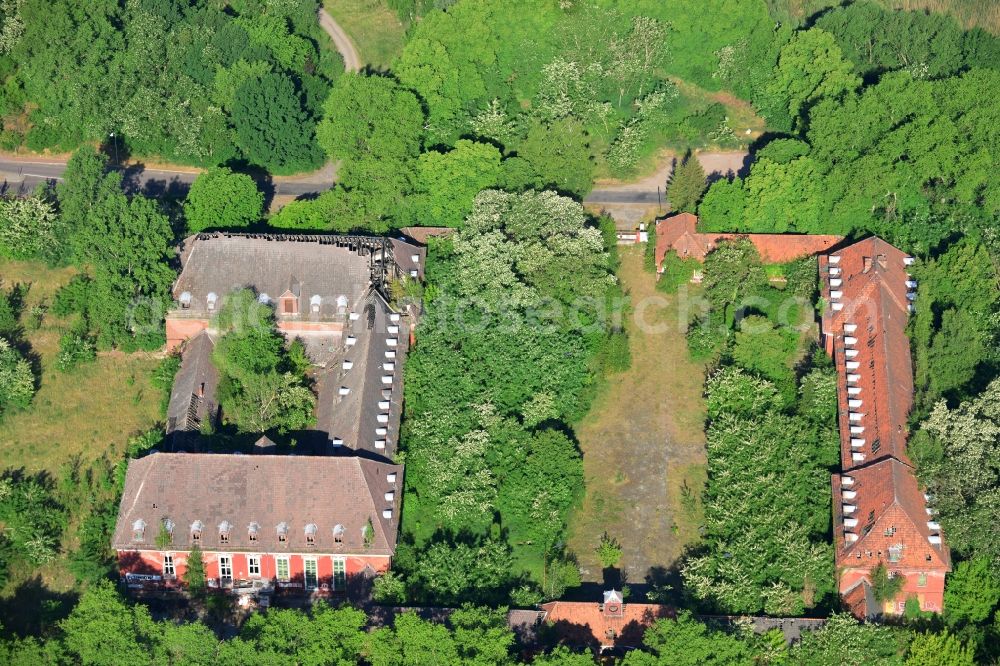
(875, 121)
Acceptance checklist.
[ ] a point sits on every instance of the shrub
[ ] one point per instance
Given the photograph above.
(609, 551)
(617, 357)
(17, 382)
(676, 271)
(73, 298)
(75, 347)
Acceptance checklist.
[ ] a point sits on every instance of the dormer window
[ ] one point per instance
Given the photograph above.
(282, 532)
(211, 300)
(311, 534)
(314, 303)
(225, 527)
(185, 300)
(341, 304)
(390, 477)
(263, 299)
(253, 530)
(138, 529)
(338, 534)
(289, 305)
(196, 529)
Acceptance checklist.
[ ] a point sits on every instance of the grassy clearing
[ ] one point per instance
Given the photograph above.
(983, 14)
(643, 441)
(376, 30)
(84, 413)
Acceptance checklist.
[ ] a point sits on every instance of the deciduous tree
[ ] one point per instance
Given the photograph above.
(221, 199)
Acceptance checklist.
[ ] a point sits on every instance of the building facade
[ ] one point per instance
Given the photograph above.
(313, 524)
(881, 518)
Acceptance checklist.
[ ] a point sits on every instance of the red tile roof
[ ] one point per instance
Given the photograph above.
(880, 514)
(873, 299)
(584, 623)
(891, 513)
(679, 233)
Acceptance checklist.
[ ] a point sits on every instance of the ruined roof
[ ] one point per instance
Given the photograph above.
(423, 234)
(680, 234)
(291, 494)
(192, 398)
(302, 267)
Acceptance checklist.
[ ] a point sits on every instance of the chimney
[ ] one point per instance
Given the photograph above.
(201, 390)
(867, 264)
(614, 604)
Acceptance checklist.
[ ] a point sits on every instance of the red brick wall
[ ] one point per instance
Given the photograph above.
(292, 327)
(151, 563)
(179, 330)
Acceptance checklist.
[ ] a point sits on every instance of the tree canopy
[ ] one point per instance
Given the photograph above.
(221, 199)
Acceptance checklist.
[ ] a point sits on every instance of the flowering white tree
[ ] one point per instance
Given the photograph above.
(27, 226)
(17, 382)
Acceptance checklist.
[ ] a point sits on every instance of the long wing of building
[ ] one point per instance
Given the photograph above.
(881, 517)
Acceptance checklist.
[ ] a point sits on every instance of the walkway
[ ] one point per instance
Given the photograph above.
(352, 61)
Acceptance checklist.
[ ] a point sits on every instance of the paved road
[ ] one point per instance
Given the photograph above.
(644, 191)
(352, 61)
(27, 172)
(17, 173)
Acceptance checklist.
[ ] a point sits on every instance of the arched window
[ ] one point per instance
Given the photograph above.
(338, 534)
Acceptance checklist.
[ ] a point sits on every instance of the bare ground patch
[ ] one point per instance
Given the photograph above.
(642, 443)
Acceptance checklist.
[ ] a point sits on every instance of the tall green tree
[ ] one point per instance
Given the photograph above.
(560, 155)
(272, 128)
(810, 67)
(930, 649)
(687, 184)
(221, 199)
(972, 591)
(447, 183)
(102, 629)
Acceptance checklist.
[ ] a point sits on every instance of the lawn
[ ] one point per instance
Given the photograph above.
(643, 441)
(89, 411)
(375, 29)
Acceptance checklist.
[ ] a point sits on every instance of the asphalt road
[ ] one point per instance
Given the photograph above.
(623, 197)
(28, 172)
(25, 173)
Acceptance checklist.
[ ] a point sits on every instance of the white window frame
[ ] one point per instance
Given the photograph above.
(278, 560)
(228, 559)
(253, 562)
(339, 577)
(169, 567)
(306, 561)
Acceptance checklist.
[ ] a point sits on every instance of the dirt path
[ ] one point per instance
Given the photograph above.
(642, 440)
(352, 61)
